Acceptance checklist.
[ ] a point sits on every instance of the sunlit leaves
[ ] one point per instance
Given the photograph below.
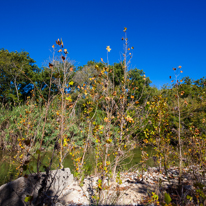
(182, 92)
(51, 65)
(125, 29)
(129, 119)
(28, 198)
(167, 198)
(71, 83)
(114, 93)
(69, 98)
(58, 42)
(108, 48)
(109, 140)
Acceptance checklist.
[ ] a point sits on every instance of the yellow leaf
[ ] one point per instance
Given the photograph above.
(108, 48)
(53, 46)
(69, 99)
(71, 83)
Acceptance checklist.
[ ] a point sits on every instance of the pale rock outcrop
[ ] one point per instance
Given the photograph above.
(45, 187)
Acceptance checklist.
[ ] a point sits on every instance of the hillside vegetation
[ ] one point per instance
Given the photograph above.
(111, 109)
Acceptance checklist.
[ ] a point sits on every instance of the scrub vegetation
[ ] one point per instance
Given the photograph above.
(109, 109)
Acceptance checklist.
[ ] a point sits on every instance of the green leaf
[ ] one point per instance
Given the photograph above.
(189, 197)
(38, 151)
(69, 98)
(167, 198)
(28, 198)
(101, 126)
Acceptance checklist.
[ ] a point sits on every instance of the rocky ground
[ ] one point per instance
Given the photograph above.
(135, 189)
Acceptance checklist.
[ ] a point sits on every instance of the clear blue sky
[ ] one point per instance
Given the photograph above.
(164, 33)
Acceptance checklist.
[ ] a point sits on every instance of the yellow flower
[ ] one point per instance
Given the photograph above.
(108, 48)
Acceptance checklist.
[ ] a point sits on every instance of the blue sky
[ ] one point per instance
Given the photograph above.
(164, 33)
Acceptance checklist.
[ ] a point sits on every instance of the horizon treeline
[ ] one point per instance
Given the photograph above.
(21, 80)
(19, 76)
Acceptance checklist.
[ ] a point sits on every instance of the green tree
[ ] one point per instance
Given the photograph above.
(17, 70)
